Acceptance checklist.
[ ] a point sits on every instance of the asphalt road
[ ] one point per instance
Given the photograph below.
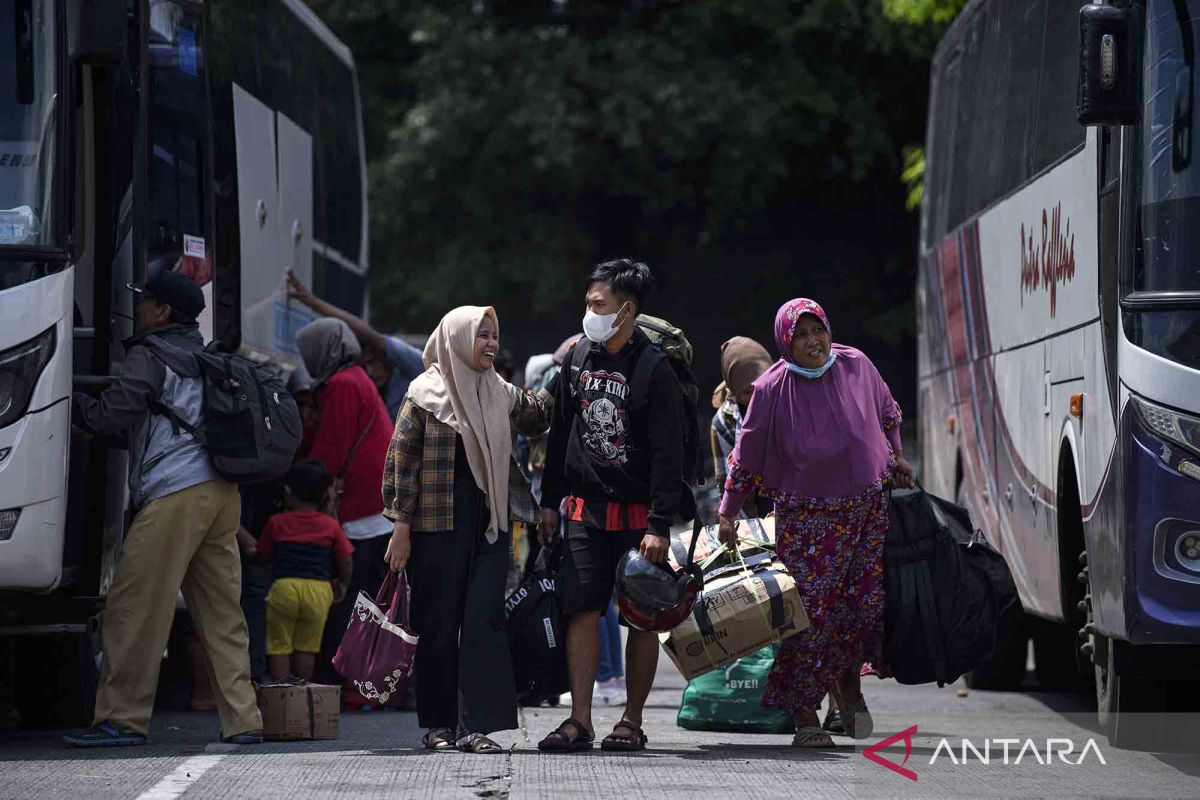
(378, 755)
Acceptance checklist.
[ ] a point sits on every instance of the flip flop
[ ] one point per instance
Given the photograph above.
(105, 735)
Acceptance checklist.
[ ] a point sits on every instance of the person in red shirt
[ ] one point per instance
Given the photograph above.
(302, 544)
(351, 439)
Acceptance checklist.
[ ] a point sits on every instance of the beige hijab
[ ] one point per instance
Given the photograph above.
(475, 404)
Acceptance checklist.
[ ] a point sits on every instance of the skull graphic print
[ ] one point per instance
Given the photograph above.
(605, 423)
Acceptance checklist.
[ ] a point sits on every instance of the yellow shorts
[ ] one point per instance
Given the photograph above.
(296, 612)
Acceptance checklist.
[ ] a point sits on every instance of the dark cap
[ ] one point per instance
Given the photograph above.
(175, 290)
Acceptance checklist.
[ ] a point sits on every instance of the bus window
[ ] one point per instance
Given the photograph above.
(177, 217)
(28, 121)
(1169, 247)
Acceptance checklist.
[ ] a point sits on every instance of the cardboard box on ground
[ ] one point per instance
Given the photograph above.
(742, 608)
(293, 711)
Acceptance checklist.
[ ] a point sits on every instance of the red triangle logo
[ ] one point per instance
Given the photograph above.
(872, 752)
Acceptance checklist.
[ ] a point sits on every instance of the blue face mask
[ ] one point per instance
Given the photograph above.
(813, 373)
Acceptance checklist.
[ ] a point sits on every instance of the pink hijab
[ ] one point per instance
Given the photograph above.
(825, 437)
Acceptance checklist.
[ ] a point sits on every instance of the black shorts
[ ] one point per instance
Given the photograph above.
(589, 567)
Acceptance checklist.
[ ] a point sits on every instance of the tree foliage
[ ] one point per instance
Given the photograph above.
(747, 149)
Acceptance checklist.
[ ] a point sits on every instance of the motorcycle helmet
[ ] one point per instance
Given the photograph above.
(653, 597)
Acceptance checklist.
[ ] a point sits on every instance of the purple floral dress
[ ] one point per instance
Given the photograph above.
(834, 550)
(820, 446)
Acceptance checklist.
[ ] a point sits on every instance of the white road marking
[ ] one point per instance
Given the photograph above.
(182, 778)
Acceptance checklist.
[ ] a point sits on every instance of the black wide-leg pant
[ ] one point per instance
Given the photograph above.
(463, 665)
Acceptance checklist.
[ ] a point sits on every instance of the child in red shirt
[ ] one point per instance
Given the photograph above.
(302, 544)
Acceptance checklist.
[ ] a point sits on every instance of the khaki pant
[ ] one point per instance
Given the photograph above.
(184, 540)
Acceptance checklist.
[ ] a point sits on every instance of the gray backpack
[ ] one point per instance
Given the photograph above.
(250, 423)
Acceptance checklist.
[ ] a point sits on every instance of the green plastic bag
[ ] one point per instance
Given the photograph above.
(730, 699)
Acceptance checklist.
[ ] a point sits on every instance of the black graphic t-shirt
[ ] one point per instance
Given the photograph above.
(602, 449)
(603, 397)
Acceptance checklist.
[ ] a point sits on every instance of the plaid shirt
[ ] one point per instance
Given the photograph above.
(418, 475)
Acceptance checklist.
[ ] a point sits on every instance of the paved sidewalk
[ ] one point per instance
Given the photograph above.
(379, 755)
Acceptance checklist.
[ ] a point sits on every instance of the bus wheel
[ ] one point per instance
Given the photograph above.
(1054, 651)
(1005, 668)
(56, 680)
(1129, 710)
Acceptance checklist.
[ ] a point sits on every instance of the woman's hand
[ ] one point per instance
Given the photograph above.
(298, 291)
(547, 526)
(903, 475)
(399, 547)
(727, 531)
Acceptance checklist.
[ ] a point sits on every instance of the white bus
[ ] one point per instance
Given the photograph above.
(1059, 336)
(221, 138)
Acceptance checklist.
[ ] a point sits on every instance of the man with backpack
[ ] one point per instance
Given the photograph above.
(616, 453)
(184, 529)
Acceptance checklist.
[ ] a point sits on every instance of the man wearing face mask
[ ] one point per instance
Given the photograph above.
(619, 465)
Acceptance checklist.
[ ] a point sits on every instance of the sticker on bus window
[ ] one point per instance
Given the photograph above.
(193, 246)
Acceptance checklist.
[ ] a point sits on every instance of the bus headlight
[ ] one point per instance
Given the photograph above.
(1181, 429)
(20, 368)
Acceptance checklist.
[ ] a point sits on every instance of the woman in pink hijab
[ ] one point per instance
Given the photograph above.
(820, 436)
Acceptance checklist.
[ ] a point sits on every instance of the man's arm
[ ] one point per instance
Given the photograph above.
(554, 487)
(367, 336)
(122, 405)
(666, 448)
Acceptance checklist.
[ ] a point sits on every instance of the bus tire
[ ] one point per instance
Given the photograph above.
(56, 680)
(1126, 706)
(1005, 668)
(1054, 657)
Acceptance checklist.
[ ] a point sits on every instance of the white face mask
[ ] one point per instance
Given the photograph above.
(599, 328)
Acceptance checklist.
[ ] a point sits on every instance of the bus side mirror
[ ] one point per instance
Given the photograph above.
(96, 31)
(1107, 67)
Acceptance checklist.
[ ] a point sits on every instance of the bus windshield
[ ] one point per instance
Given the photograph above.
(1170, 201)
(28, 118)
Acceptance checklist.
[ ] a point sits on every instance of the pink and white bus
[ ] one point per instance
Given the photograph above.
(1059, 339)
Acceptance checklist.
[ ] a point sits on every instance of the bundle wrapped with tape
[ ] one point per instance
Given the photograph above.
(743, 608)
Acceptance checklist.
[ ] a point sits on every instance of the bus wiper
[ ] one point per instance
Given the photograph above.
(1181, 127)
(23, 54)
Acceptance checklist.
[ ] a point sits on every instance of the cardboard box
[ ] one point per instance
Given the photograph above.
(760, 529)
(739, 612)
(300, 711)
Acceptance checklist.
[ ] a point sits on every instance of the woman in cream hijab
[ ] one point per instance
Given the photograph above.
(452, 487)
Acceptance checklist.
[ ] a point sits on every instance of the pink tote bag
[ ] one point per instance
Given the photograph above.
(377, 651)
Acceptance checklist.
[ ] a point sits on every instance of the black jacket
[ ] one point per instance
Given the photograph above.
(601, 449)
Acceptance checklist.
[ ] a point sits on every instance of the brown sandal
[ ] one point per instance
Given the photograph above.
(560, 739)
(621, 743)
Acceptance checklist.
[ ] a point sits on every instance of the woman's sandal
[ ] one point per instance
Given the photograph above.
(833, 722)
(479, 744)
(813, 738)
(622, 743)
(439, 739)
(561, 740)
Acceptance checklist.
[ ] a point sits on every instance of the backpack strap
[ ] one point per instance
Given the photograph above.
(341, 473)
(177, 422)
(575, 365)
(639, 383)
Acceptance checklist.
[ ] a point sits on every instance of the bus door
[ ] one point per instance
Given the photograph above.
(275, 216)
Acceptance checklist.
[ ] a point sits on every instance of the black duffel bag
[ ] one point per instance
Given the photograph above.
(950, 598)
(537, 634)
